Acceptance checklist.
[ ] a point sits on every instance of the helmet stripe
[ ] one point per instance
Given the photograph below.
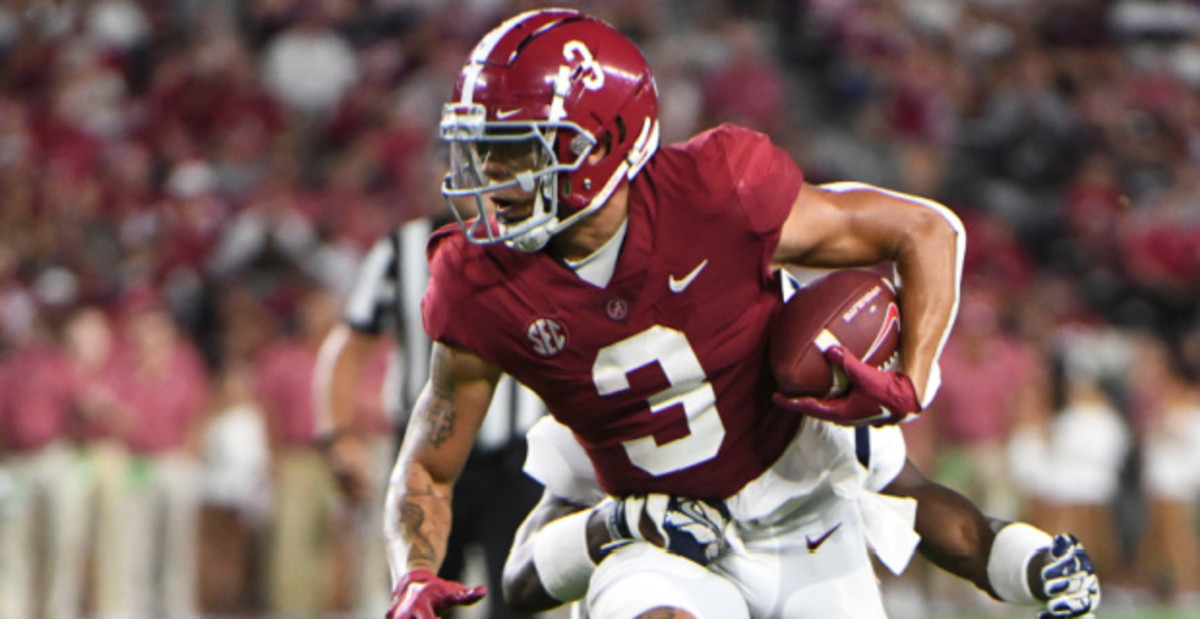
(543, 30)
(484, 49)
(644, 146)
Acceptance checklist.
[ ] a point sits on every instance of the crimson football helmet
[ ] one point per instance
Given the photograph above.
(537, 98)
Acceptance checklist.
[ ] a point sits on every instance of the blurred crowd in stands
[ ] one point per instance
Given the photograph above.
(187, 187)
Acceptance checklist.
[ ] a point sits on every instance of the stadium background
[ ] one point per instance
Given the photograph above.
(228, 164)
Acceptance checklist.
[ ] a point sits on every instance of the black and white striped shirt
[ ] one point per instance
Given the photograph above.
(387, 296)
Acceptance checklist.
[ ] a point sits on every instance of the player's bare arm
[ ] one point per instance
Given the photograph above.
(955, 535)
(562, 541)
(336, 381)
(417, 512)
(339, 365)
(851, 224)
(523, 589)
(439, 437)
(1012, 562)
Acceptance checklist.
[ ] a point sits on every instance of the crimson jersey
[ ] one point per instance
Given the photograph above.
(662, 374)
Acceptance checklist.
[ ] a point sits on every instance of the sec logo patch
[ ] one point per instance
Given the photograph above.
(547, 336)
(617, 309)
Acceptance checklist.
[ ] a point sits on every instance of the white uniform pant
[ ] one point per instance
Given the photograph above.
(775, 576)
(799, 545)
(42, 526)
(150, 513)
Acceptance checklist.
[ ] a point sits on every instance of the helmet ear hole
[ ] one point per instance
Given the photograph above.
(620, 122)
(602, 149)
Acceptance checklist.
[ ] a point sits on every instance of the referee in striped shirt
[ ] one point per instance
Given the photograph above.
(492, 496)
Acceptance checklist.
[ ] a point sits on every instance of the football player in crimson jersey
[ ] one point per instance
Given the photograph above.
(629, 286)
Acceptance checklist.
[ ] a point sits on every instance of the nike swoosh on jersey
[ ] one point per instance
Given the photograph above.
(814, 544)
(503, 114)
(679, 285)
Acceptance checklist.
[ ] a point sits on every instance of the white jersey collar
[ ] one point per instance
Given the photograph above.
(598, 268)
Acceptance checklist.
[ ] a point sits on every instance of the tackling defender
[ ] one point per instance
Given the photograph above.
(1012, 562)
(629, 286)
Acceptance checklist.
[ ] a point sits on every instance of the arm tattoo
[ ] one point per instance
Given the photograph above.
(420, 548)
(440, 417)
(439, 423)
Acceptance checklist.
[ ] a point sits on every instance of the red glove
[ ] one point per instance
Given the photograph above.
(420, 594)
(877, 397)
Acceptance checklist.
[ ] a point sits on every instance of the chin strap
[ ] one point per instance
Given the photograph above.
(535, 239)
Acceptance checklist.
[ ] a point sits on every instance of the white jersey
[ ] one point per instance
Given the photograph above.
(799, 536)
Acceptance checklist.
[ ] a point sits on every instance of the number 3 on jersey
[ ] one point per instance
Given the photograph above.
(688, 387)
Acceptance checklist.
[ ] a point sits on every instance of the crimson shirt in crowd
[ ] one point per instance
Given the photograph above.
(977, 395)
(37, 396)
(165, 403)
(285, 373)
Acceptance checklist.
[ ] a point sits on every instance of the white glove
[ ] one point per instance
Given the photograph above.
(1069, 580)
(691, 528)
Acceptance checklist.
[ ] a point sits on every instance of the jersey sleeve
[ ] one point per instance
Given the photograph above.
(766, 179)
(446, 294)
(372, 297)
(557, 461)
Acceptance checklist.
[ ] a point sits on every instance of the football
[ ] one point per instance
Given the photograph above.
(854, 308)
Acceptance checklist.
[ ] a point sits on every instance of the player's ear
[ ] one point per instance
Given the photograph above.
(603, 146)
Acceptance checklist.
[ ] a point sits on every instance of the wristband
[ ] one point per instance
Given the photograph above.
(618, 519)
(1008, 561)
(560, 555)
